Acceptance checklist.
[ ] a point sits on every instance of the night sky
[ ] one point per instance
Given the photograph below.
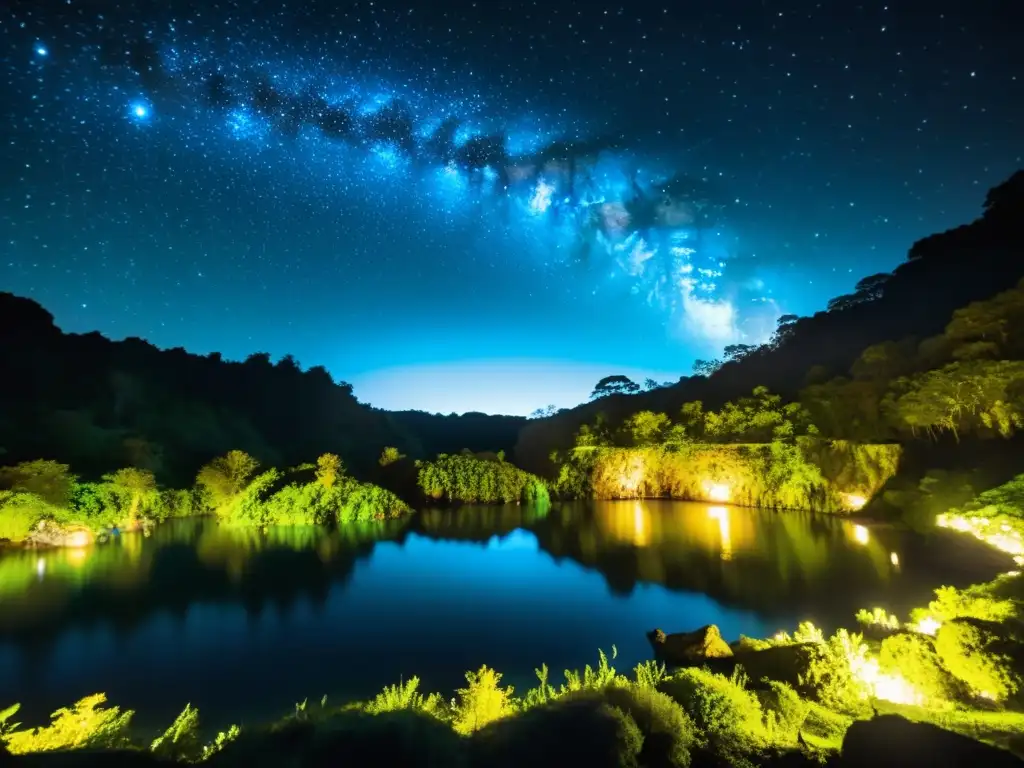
(232, 176)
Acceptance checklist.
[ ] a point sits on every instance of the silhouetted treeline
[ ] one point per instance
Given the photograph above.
(942, 273)
(98, 404)
(475, 432)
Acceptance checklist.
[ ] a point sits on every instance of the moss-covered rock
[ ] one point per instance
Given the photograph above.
(684, 648)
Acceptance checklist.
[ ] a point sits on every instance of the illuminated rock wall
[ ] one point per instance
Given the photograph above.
(816, 475)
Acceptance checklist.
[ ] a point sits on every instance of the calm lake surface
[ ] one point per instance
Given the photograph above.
(244, 624)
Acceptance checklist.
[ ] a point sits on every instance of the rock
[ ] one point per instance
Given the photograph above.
(891, 741)
(682, 649)
(49, 534)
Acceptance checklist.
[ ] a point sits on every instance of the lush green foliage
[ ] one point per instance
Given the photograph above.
(468, 479)
(972, 652)
(229, 486)
(805, 474)
(87, 723)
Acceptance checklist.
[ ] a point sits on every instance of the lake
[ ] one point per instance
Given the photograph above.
(243, 625)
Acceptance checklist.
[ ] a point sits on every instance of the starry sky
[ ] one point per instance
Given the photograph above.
(486, 205)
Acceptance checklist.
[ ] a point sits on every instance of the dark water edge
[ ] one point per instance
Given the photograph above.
(244, 624)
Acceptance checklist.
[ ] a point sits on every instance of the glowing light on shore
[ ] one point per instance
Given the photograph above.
(79, 539)
(854, 501)
(717, 491)
(861, 534)
(1004, 538)
(721, 514)
(881, 685)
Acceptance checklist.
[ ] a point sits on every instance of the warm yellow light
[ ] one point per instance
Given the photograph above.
(717, 491)
(861, 535)
(79, 539)
(854, 501)
(894, 559)
(928, 625)
(721, 514)
(641, 534)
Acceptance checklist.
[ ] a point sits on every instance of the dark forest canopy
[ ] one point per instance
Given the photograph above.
(98, 404)
(472, 431)
(943, 273)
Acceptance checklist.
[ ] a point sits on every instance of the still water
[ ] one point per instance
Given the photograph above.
(243, 624)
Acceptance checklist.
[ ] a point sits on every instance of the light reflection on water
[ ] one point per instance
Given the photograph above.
(240, 622)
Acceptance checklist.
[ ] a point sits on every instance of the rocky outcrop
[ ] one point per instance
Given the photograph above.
(50, 534)
(705, 647)
(681, 649)
(891, 741)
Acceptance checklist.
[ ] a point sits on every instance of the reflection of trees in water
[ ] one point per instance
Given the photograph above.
(128, 580)
(769, 562)
(477, 523)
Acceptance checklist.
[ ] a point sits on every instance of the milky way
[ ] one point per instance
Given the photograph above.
(373, 186)
(572, 197)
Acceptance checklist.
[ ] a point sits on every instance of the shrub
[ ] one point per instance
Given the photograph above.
(574, 730)
(913, 657)
(723, 710)
(404, 696)
(181, 740)
(400, 738)
(20, 513)
(84, 724)
(784, 711)
(830, 673)
(468, 479)
(951, 603)
(970, 652)
(481, 701)
(668, 732)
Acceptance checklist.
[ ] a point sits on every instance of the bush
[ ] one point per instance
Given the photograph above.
(181, 740)
(575, 730)
(404, 696)
(784, 711)
(830, 673)
(84, 724)
(467, 479)
(723, 710)
(668, 732)
(913, 656)
(971, 652)
(20, 513)
(404, 738)
(481, 701)
(951, 603)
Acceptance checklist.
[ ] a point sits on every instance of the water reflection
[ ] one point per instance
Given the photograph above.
(181, 563)
(228, 618)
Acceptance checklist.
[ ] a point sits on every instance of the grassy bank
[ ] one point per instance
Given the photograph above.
(44, 503)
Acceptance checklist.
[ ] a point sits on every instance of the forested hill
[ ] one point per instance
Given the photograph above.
(476, 432)
(99, 404)
(941, 274)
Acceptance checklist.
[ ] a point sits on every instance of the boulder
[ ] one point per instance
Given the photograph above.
(891, 741)
(681, 649)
